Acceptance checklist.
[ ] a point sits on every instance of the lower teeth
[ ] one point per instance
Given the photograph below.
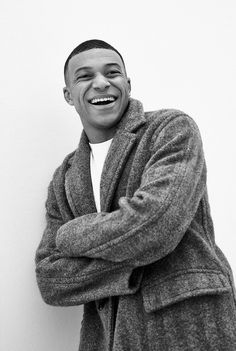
(103, 103)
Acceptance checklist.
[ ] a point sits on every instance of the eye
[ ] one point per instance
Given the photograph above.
(113, 73)
(85, 76)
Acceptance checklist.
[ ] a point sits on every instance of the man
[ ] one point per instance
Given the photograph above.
(129, 232)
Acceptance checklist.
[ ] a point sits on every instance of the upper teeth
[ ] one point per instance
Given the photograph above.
(110, 98)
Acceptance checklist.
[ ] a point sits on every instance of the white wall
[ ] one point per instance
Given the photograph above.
(179, 54)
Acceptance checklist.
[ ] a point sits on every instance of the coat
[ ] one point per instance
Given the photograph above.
(146, 267)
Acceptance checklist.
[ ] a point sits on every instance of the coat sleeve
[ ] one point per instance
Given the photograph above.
(65, 280)
(149, 225)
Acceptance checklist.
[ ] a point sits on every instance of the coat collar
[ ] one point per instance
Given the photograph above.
(78, 180)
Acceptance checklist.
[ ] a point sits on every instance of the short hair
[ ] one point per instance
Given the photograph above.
(88, 45)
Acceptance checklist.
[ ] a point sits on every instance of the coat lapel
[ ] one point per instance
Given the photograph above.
(117, 155)
(121, 146)
(79, 188)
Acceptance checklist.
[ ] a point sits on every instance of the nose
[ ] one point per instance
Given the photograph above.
(100, 82)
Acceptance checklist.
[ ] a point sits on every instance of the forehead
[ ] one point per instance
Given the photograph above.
(94, 58)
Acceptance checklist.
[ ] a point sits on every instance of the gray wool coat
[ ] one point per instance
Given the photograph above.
(146, 267)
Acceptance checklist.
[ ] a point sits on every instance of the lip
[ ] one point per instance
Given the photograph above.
(102, 96)
(104, 107)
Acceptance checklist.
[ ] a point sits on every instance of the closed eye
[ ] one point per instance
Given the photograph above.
(113, 73)
(84, 76)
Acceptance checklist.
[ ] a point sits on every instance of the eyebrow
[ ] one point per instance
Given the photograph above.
(89, 67)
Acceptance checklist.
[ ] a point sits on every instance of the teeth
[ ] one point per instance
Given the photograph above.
(110, 98)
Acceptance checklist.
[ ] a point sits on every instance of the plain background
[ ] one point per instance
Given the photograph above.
(179, 54)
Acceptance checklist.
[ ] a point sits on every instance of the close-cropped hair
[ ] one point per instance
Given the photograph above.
(88, 45)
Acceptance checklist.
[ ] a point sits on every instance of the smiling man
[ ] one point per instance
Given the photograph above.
(97, 86)
(129, 232)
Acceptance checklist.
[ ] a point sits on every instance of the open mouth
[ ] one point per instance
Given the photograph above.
(100, 101)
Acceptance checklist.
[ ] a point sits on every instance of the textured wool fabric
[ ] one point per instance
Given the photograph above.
(146, 268)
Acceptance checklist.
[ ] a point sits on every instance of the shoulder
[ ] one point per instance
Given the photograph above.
(171, 119)
(171, 126)
(165, 116)
(56, 188)
(59, 173)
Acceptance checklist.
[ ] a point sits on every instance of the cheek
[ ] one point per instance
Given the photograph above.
(126, 88)
(78, 92)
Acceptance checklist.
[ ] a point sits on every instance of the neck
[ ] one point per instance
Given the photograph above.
(99, 136)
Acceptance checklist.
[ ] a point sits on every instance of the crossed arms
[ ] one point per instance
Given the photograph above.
(103, 254)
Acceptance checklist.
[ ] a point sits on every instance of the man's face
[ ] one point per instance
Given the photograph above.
(98, 88)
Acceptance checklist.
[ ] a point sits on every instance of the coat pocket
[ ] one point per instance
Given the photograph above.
(182, 285)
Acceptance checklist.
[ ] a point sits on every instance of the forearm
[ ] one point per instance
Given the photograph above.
(75, 281)
(65, 280)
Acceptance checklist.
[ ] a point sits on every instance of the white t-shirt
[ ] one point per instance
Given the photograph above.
(97, 158)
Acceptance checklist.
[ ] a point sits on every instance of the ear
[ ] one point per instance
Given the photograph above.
(129, 84)
(67, 96)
